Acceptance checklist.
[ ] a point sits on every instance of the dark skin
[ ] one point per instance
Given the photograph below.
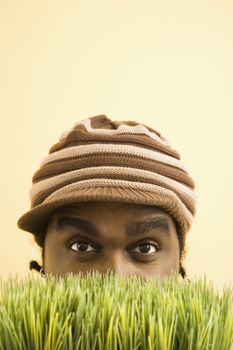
(113, 241)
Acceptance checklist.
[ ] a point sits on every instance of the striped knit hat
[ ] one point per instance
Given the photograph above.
(104, 160)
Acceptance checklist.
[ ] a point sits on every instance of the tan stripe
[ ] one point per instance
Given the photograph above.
(120, 150)
(81, 137)
(123, 184)
(49, 185)
(63, 166)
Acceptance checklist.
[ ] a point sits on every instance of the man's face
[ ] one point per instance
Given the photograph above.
(122, 237)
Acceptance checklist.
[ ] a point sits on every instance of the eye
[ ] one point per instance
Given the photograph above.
(145, 248)
(81, 246)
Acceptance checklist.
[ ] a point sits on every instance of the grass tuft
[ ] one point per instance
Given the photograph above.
(112, 312)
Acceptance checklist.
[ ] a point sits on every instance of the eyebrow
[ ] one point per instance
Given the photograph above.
(133, 228)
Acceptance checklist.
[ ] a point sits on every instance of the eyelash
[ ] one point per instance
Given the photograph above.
(156, 245)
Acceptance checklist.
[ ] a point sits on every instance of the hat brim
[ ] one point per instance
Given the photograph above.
(35, 220)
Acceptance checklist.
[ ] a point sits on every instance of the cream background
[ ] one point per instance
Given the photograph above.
(167, 64)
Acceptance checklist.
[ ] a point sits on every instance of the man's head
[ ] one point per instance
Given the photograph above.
(111, 175)
(122, 237)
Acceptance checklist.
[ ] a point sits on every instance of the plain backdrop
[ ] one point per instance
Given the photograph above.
(167, 64)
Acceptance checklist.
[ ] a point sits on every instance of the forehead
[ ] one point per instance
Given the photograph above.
(98, 217)
(104, 213)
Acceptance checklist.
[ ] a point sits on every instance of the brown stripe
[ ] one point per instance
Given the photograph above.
(41, 196)
(60, 167)
(81, 137)
(101, 121)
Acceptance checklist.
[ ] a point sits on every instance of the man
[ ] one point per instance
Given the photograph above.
(111, 196)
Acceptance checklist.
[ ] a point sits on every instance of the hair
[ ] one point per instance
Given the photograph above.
(40, 240)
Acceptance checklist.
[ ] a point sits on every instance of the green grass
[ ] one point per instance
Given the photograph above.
(112, 312)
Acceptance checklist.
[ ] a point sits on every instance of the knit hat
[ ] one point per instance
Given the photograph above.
(104, 160)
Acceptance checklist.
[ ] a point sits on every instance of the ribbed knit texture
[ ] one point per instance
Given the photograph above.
(101, 159)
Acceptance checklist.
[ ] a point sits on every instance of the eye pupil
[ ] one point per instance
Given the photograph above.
(145, 248)
(83, 246)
